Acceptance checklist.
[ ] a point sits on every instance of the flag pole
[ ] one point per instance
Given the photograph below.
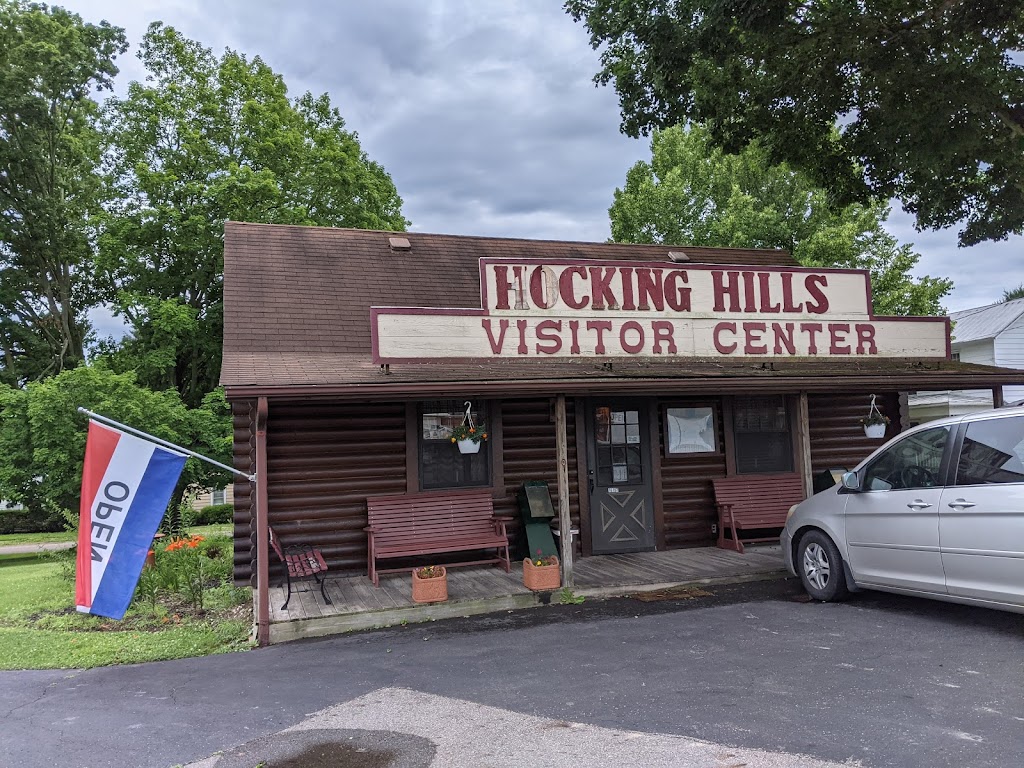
(164, 443)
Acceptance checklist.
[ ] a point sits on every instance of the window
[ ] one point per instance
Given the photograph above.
(441, 464)
(914, 462)
(690, 430)
(761, 433)
(219, 497)
(618, 440)
(992, 452)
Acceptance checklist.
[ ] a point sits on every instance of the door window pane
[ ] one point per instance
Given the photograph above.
(913, 462)
(992, 452)
(761, 432)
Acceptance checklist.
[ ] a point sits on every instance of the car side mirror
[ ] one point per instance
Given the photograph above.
(850, 481)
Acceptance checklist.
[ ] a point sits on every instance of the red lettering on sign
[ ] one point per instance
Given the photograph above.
(502, 286)
(866, 339)
(812, 330)
(566, 288)
(783, 337)
(750, 300)
(574, 329)
(676, 296)
(601, 287)
(503, 326)
(726, 287)
(663, 334)
(753, 335)
(632, 325)
(521, 325)
(626, 273)
(548, 331)
(837, 332)
(542, 288)
(599, 326)
(787, 294)
(812, 283)
(766, 294)
(649, 288)
(725, 349)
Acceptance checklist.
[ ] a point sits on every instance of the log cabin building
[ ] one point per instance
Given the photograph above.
(625, 376)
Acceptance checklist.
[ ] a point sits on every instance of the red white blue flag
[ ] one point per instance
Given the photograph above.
(126, 485)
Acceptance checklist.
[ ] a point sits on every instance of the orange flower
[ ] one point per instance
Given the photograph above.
(472, 430)
(453, 439)
(484, 435)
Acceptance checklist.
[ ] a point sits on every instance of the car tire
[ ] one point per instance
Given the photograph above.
(821, 567)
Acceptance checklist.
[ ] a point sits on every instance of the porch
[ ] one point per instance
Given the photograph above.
(357, 604)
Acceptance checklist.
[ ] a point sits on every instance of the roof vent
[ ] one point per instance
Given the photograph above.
(677, 256)
(399, 244)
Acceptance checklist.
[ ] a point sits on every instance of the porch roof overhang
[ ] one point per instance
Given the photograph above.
(355, 377)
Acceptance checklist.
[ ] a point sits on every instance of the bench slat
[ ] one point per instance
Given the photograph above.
(754, 501)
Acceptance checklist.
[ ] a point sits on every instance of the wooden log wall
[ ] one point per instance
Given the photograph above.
(324, 459)
(528, 450)
(836, 435)
(688, 498)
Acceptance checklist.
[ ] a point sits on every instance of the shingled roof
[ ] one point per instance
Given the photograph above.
(297, 318)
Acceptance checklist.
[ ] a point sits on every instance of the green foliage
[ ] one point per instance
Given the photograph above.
(204, 140)
(50, 63)
(567, 597)
(928, 97)
(214, 514)
(1013, 293)
(42, 437)
(692, 193)
(40, 630)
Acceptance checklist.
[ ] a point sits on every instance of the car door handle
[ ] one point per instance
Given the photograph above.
(918, 504)
(960, 504)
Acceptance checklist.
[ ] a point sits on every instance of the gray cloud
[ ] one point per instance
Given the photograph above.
(484, 113)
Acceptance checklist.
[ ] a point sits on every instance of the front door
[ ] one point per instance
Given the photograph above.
(619, 461)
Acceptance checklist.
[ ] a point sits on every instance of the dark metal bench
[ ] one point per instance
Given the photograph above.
(431, 523)
(747, 502)
(300, 561)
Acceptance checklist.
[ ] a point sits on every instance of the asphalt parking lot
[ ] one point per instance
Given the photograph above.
(882, 680)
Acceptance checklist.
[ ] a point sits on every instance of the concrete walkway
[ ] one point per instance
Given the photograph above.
(28, 549)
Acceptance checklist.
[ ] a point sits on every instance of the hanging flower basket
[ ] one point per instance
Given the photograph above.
(467, 435)
(430, 584)
(544, 577)
(874, 431)
(875, 422)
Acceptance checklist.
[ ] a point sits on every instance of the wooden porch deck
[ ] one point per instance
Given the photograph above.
(357, 604)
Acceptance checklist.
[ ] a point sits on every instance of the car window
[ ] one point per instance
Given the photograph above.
(992, 452)
(913, 462)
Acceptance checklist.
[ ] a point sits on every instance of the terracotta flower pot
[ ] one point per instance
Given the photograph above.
(541, 578)
(430, 590)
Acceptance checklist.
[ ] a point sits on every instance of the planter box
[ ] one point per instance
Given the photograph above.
(468, 446)
(541, 578)
(433, 590)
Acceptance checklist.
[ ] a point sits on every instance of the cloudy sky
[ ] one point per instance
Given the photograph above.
(483, 112)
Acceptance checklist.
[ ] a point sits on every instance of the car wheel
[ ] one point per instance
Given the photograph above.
(821, 567)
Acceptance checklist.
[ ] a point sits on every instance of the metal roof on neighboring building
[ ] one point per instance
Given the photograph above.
(980, 323)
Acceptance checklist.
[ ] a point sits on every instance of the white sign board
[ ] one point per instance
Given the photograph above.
(532, 308)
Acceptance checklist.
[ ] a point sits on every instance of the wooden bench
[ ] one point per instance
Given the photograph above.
(433, 523)
(300, 561)
(746, 502)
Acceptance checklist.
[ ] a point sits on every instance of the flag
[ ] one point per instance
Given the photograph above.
(126, 485)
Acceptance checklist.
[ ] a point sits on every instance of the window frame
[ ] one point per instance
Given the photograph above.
(492, 447)
(953, 468)
(730, 443)
(942, 477)
(718, 425)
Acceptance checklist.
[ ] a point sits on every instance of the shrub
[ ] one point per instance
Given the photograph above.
(30, 521)
(214, 514)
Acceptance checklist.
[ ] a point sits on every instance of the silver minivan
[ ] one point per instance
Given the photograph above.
(938, 511)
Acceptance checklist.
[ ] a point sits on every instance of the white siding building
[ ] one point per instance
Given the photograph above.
(989, 335)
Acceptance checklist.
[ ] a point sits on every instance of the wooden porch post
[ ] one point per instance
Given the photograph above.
(262, 537)
(997, 397)
(804, 438)
(562, 458)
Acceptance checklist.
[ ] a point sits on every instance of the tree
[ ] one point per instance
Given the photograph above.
(694, 194)
(928, 99)
(50, 63)
(203, 140)
(42, 436)
(1011, 294)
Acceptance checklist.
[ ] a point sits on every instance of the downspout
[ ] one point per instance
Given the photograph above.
(262, 538)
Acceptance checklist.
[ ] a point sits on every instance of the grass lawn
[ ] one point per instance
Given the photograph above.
(46, 538)
(40, 628)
